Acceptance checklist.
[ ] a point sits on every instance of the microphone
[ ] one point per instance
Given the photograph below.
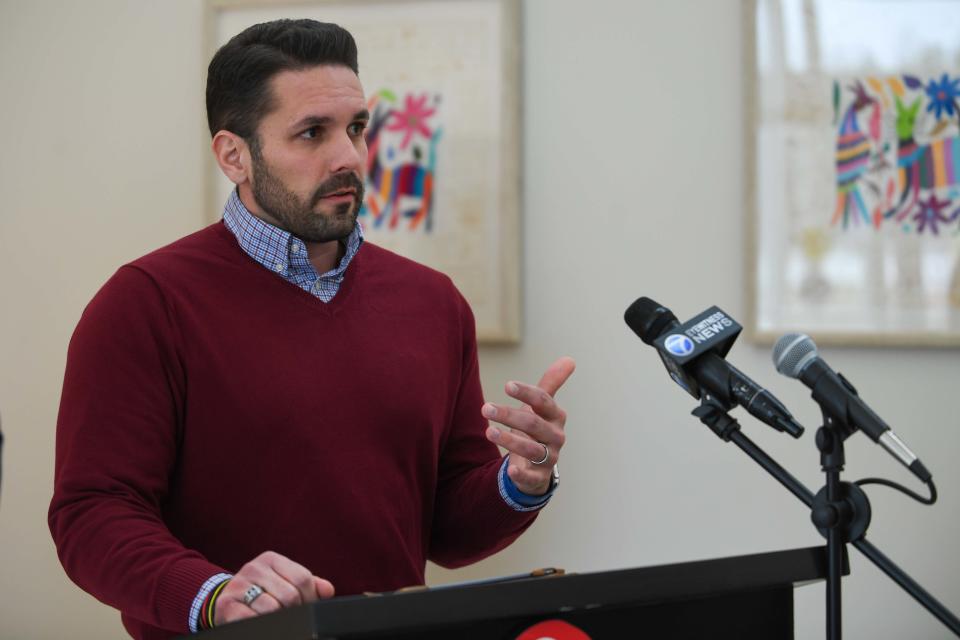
(693, 355)
(795, 356)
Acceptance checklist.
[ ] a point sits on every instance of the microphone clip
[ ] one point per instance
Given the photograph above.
(713, 413)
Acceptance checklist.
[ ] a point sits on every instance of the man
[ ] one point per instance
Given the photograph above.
(270, 408)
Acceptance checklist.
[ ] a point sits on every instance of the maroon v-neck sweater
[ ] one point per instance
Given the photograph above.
(212, 411)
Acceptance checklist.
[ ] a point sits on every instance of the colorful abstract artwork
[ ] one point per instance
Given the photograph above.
(402, 142)
(898, 153)
(854, 170)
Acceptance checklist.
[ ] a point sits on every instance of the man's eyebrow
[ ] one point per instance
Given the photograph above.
(325, 121)
(312, 121)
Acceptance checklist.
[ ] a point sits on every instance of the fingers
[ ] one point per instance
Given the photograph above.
(556, 374)
(524, 447)
(324, 588)
(276, 590)
(231, 607)
(541, 402)
(536, 431)
(284, 583)
(528, 422)
(540, 397)
(296, 581)
(266, 602)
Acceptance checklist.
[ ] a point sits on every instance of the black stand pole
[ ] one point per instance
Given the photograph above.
(841, 513)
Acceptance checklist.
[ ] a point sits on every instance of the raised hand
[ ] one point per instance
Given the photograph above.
(536, 431)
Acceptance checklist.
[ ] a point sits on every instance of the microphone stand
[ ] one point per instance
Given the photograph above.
(840, 510)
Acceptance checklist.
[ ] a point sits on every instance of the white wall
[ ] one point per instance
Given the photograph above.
(633, 186)
(101, 124)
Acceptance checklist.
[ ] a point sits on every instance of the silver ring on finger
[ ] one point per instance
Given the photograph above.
(546, 454)
(253, 592)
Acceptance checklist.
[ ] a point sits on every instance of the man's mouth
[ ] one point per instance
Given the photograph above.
(340, 189)
(341, 193)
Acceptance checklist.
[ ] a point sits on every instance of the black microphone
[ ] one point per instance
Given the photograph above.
(693, 355)
(795, 356)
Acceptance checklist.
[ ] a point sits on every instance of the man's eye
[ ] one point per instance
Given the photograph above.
(357, 128)
(310, 133)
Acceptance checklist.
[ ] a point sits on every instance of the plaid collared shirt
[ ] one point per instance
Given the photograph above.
(285, 254)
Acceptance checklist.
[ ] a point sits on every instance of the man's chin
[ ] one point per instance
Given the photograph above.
(334, 229)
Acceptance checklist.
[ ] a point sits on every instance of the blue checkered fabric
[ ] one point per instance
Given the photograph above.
(285, 254)
(193, 621)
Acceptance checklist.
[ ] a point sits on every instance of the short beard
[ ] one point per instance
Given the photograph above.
(296, 216)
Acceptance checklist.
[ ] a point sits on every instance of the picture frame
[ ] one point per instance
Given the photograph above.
(442, 79)
(852, 165)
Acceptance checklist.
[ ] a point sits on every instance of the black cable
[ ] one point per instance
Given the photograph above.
(903, 489)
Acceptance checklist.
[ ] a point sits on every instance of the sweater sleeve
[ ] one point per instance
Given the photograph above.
(471, 518)
(117, 439)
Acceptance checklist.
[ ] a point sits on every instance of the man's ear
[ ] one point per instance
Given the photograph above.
(233, 156)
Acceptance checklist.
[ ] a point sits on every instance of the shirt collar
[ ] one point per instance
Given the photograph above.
(274, 248)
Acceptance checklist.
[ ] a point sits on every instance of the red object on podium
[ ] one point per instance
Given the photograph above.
(553, 630)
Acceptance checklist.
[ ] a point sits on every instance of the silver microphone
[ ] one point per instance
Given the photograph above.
(795, 356)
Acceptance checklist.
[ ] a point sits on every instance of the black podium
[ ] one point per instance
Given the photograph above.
(739, 597)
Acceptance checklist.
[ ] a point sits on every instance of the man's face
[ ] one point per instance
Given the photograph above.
(310, 154)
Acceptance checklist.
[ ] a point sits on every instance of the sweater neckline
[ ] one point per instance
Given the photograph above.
(241, 257)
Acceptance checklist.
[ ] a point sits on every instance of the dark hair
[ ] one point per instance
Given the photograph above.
(238, 91)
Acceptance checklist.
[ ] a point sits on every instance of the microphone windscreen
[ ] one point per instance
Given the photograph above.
(648, 319)
(792, 353)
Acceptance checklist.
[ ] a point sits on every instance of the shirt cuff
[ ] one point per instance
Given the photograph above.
(516, 499)
(208, 586)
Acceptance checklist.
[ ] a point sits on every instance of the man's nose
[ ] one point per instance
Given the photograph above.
(349, 154)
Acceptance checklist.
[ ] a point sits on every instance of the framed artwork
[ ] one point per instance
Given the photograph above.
(443, 176)
(853, 170)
